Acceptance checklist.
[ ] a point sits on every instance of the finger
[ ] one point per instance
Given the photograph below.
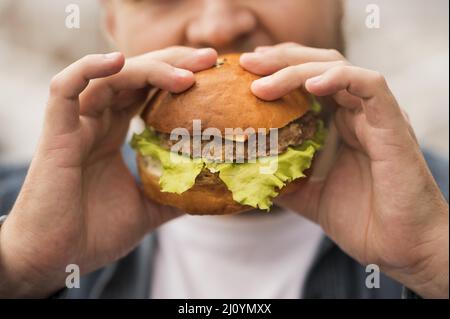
(346, 122)
(62, 113)
(174, 62)
(277, 46)
(272, 60)
(262, 49)
(152, 73)
(379, 105)
(145, 72)
(183, 57)
(344, 98)
(305, 200)
(158, 213)
(288, 79)
(104, 93)
(166, 69)
(410, 128)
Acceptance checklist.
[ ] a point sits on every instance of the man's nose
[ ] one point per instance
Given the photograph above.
(219, 23)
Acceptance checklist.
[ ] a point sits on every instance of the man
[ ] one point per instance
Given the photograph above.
(81, 205)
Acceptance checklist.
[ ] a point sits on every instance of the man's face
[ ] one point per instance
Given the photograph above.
(139, 26)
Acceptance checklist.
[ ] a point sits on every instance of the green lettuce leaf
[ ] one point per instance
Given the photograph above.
(256, 184)
(253, 184)
(178, 172)
(316, 107)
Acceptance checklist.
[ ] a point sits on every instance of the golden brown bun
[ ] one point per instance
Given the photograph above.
(201, 199)
(221, 98)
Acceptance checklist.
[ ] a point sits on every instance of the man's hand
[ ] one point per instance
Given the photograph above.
(379, 201)
(79, 203)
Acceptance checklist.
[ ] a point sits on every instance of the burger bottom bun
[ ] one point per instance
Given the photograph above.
(201, 199)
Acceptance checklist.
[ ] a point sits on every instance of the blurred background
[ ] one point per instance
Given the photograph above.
(410, 48)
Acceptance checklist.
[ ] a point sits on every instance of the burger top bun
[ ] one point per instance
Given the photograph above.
(221, 98)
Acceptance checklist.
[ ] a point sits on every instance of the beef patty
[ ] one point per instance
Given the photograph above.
(293, 134)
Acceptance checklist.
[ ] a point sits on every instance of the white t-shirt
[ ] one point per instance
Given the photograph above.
(263, 255)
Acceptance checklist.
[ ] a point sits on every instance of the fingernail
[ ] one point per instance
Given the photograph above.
(315, 79)
(204, 51)
(244, 56)
(182, 73)
(251, 54)
(262, 49)
(263, 81)
(247, 57)
(112, 55)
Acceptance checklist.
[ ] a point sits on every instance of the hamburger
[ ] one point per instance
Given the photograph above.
(241, 171)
